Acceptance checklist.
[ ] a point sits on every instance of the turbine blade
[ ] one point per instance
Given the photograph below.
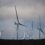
(16, 14)
(21, 24)
(42, 31)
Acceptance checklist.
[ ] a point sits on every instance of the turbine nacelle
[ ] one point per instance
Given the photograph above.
(19, 24)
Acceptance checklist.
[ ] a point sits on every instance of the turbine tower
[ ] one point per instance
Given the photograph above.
(17, 23)
(32, 24)
(40, 28)
(32, 28)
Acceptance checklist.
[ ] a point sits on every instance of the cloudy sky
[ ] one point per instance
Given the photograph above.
(27, 10)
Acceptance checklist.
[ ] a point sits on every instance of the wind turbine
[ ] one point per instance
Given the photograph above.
(32, 22)
(24, 36)
(32, 28)
(40, 28)
(17, 23)
(0, 34)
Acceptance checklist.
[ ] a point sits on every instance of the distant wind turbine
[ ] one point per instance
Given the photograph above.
(40, 28)
(32, 23)
(0, 34)
(24, 36)
(32, 28)
(17, 23)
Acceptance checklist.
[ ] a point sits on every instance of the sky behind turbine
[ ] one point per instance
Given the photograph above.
(27, 10)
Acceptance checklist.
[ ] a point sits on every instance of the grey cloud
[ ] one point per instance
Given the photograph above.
(6, 2)
(20, 2)
(35, 10)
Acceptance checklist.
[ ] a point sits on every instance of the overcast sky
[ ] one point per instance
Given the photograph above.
(26, 9)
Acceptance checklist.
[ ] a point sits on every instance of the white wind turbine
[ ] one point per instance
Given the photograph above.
(40, 28)
(17, 23)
